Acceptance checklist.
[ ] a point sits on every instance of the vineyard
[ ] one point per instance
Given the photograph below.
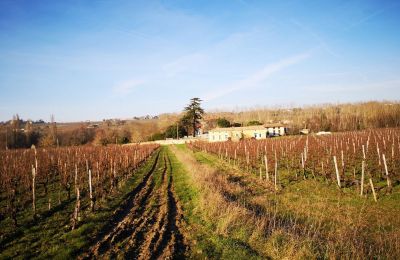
(333, 196)
(305, 197)
(36, 183)
(367, 161)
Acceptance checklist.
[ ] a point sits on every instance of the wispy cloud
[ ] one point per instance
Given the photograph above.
(366, 19)
(193, 61)
(257, 77)
(201, 59)
(127, 86)
(322, 43)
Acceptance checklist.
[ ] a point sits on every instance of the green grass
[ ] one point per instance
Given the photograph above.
(207, 243)
(50, 236)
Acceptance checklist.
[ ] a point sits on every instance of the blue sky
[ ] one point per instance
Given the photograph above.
(89, 60)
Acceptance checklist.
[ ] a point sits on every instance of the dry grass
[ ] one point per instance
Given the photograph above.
(306, 220)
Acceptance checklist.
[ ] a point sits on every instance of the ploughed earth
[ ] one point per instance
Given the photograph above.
(148, 224)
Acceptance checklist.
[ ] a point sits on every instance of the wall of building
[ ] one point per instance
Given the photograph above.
(257, 134)
(237, 134)
(274, 131)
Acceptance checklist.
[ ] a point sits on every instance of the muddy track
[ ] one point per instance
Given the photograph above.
(149, 224)
(170, 241)
(160, 237)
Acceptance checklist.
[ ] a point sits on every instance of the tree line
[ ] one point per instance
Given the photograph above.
(327, 117)
(18, 133)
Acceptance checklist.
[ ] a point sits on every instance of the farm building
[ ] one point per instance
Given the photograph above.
(237, 133)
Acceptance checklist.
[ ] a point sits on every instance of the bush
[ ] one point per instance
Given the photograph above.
(171, 132)
(254, 122)
(157, 136)
(223, 122)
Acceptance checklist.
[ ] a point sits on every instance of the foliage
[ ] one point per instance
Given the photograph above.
(254, 122)
(156, 136)
(171, 131)
(193, 114)
(223, 122)
(236, 124)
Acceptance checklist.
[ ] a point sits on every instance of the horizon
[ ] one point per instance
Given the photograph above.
(210, 111)
(99, 60)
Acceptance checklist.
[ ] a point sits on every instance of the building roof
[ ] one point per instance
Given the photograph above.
(255, 127)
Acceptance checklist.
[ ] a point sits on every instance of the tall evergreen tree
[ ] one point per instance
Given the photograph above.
(194, 113)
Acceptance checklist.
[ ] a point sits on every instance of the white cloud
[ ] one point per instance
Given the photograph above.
(127, 86)
(257, 77)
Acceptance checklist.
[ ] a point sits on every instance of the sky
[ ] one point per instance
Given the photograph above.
(90, 60)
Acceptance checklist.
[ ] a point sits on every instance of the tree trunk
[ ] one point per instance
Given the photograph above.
(194, 128)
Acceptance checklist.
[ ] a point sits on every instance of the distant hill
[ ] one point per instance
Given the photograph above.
(326, 117)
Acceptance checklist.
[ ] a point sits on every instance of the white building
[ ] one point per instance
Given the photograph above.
(238, 133)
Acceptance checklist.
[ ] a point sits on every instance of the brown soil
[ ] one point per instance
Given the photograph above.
(148, 225)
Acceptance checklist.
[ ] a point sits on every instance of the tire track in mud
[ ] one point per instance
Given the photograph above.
(162, 239)
(134, 245)
(166, 241)
(149, 224)
(118, 226)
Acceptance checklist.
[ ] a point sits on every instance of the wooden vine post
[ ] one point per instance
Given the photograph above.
(78, 200)
(363, 149)
(266, 167)
(33, 191)
(90, 190)
(303, 166)
(362, 177)
(337, 171)
(373, 189)
(276, 172)
(389, 183)
(34, 172)
(234, 162)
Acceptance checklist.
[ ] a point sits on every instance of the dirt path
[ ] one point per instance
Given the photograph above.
(148, 225)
